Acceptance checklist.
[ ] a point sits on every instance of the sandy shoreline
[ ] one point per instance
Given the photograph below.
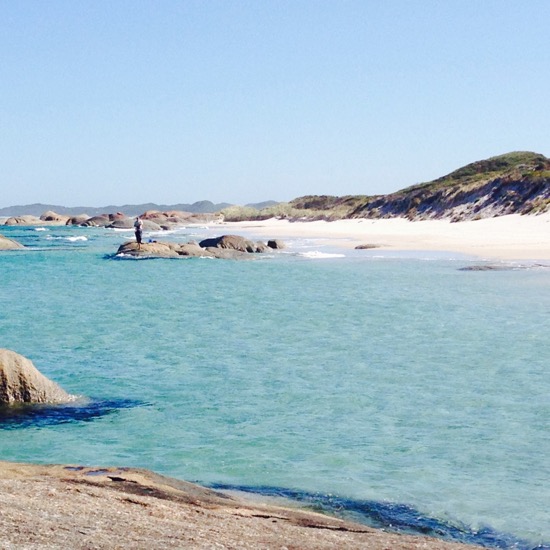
(60, 507)
(512, 237)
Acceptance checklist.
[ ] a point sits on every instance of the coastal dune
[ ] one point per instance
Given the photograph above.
(55, 507)
(511, 237)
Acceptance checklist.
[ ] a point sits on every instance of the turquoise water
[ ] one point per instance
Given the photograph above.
(357, 376)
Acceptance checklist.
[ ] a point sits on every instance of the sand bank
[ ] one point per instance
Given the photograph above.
(512, 237)
(77, 507)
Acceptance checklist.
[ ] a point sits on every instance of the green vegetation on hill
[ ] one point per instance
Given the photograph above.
(312, 207)
(519, 164)
(517, 182)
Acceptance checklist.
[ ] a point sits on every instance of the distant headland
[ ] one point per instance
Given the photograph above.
(200, 207)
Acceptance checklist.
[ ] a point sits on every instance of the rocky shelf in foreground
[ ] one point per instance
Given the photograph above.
(60, 506)
(224, 247)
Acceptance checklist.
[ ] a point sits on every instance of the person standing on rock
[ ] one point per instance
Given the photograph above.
(138, 229)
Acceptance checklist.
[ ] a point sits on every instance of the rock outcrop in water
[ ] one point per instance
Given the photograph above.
(22, 382)
(233, 242)
(224, 247)
(9, 244)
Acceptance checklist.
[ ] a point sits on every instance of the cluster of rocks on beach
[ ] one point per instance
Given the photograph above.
(153, 220)
(223, 247)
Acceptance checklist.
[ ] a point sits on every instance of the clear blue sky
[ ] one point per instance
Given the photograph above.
(132, 101)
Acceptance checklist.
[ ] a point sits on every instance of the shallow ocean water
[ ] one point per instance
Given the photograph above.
(338, 377)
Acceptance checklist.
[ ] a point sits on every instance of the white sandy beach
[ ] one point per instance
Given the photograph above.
(512, 237)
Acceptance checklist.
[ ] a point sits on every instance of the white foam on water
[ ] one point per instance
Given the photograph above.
(71, 239)
(316, 255)
(164, 232)
(124, 256)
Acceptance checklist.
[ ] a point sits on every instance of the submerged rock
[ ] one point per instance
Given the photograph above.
(366, 246)
(22, 382)
(487, 267)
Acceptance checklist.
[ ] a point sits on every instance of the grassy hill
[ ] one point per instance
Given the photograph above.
(517, 182)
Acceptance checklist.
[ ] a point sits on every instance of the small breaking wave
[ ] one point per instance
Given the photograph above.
(316, 255)
(70, 239)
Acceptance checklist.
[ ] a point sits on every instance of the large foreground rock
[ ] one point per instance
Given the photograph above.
(9, 244)
(77, 507)
(21, 382)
